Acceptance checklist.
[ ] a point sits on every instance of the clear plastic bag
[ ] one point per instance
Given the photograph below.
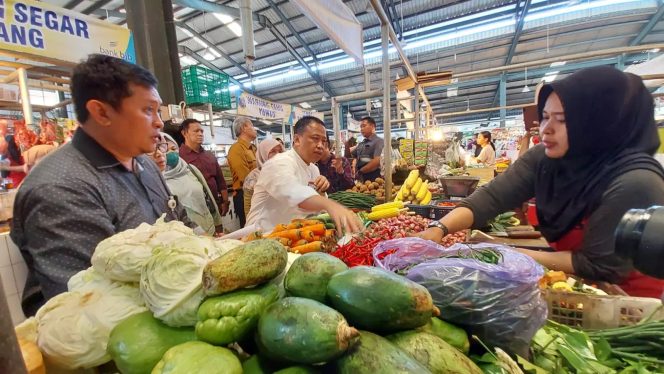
(501, 304)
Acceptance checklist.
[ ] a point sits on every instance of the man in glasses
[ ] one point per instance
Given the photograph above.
(99, 184)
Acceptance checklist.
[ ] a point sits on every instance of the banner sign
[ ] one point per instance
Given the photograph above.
(298, 113)
(41, 29)
(253, 106)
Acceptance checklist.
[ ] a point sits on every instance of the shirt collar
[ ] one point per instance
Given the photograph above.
(299, 159)
(188, 149)
(244, 143)
(98, 156)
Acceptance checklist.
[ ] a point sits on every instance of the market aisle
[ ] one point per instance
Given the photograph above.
(14, 272)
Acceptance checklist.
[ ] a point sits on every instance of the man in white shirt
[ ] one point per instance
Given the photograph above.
(290, 186)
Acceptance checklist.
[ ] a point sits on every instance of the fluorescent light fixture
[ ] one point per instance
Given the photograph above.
(235, 28)
(305, 105)
(223, 18)
(565, 9)
(526, 89)
(324, 98)
(187, 60)
(558, 63)
(550, 76)
(122, 10)
(654, 50)
(209, 56)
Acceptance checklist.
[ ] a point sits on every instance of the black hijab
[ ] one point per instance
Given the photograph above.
(610, 129)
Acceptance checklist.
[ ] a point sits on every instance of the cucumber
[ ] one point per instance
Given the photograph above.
(377, 355)
(455, 336)
(309, 274)
(304, 331)
(380, 301)
(248, 265)
(434, 353)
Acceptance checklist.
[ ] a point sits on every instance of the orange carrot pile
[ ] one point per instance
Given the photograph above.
(300, 236)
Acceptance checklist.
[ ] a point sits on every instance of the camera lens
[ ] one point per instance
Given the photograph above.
(639, 238)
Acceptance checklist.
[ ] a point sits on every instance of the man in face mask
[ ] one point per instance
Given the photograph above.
(187, 183)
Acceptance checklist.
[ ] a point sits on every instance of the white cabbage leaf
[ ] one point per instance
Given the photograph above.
(74, 327)
(122, 256)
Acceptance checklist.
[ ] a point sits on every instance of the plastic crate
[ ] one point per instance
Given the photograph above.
(203, 86)
(592, 312)
(430, 211)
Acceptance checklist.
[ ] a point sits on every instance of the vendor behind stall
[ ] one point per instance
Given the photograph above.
(368, 152)
(96, 186)
(598, 136)
(290, 185)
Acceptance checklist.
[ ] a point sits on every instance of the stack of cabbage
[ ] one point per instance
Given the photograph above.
(153, 267)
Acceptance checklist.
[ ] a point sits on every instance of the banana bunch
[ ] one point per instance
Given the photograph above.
(415, 190)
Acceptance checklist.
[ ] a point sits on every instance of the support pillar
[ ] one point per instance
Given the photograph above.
(155, 42)
(336, 125)
(25, 95)
(502, 88)
(387, 126)
(367, 88)
(416, 104)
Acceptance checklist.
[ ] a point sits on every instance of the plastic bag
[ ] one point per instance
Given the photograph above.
(502, 304)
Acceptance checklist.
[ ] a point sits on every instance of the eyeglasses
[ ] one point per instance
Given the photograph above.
(161, 147)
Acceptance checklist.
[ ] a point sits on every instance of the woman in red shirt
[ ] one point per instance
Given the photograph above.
(594, 163)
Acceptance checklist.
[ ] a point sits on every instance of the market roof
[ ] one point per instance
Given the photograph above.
(460, 36)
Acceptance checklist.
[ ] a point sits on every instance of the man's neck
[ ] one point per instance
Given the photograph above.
(124, 159)
(300, 156)
(245, 138)
(194, 147)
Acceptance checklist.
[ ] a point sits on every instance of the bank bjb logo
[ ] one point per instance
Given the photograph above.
(2, 9)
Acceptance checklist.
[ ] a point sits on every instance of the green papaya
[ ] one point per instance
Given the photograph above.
(298, 370)
(304, 331)
(139, 342)
(377, 355)
(309, 274)
(232, 317)
(434, 353)
(380, 301)
(198, 357)
(248, 265)
(455, 336)
(258, 365)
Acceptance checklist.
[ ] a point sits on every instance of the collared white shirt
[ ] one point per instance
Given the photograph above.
(282, 185)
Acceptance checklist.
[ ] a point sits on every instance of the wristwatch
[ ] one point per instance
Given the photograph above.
(439, 225)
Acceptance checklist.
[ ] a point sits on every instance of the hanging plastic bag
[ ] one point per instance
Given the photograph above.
(500, 303)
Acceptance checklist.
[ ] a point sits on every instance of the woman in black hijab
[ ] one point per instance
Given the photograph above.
(595, 162)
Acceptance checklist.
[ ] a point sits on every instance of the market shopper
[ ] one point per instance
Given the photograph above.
(96, 186)
(367, 153)
(242, 160)
(487, 154)
(188, 184)
(337, 170)
(582, 186)
(193, 153)
(290, 185)
(267, 149)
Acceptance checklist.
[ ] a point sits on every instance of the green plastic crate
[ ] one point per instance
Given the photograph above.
(203, 86)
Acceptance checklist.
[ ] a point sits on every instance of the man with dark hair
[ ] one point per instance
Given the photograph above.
(193, 153)
(99, 184)
(337, 170)
(242, 160)
(368, 152)
(290, 185)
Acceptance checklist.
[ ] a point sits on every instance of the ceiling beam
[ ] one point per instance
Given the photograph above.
(187, 51)
(72, 4)
(97, 5)
(392, 16)
(213, 47)
(208, 6)
(649, 26)
(290, 27)
(521, 20)
(104, 13)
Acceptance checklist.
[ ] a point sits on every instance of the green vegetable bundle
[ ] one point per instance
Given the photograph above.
(353, 199)
(643, 343)
(502, 221)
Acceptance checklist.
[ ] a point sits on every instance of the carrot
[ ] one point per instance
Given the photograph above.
(330, 233)
(317, 238)
(299, 243)
(311, 222)
(308, 235)
(294, 225)
(318, 229)
(253, 236)
(308, 248)
(284, 241)
(294, 234)
(280, 227)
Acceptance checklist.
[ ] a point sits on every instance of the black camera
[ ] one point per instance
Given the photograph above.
(640, 238)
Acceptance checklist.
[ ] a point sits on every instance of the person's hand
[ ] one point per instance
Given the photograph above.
(434, 234)
(338, 165)
(321, 184)
(224, 208)
(344, 219)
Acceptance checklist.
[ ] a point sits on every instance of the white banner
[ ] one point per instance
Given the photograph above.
(254, 106)
(300, 112)
(338, 22)
(353, 125)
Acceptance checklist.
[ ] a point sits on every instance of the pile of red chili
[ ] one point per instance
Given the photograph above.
(359, 251)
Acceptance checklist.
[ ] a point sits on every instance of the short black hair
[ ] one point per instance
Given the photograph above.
(184, 126)
(370, 120)
(106, 79)
(305, 122)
